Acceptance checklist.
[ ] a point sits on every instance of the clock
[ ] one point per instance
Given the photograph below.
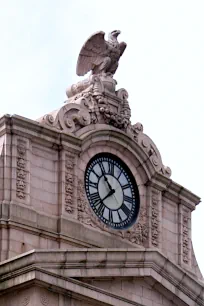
(112, 191)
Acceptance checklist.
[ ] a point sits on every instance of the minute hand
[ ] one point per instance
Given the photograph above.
(112, 191)
(109, 185)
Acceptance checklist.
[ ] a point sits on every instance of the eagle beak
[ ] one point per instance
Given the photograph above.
(118, 32)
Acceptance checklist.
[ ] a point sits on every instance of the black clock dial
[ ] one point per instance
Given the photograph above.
(112, 191)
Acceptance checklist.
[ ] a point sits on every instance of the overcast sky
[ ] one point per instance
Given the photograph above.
(162, 69)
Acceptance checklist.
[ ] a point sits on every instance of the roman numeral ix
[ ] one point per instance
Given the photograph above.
(95, 198)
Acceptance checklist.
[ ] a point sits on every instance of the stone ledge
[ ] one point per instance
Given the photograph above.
(68, 287)
(54, 267)
(41, 134)
(68, 230)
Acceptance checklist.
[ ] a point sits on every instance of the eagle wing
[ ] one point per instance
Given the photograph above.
(122, 47)
(92, 53)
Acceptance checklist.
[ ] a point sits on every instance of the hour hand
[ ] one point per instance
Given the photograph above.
(108, 195)
(109, 185)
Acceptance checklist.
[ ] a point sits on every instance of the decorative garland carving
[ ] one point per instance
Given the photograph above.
(136, 234)
(21, 173)
(69, 183)
(155, 218)
(185, 237)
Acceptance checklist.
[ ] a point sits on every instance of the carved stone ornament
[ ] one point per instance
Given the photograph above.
(93, 100)
(25, 300)
(155, 218)
(44, 299)
(96, 100)
(69, 183)
(137, 234)
(100, 56)
(21, 173)
(185, 236)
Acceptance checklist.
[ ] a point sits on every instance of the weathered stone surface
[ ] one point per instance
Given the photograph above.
(107, 276)
(55, 211)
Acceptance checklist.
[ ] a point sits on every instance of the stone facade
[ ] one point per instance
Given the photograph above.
(97, 277)
(44, 206)
(54, 251)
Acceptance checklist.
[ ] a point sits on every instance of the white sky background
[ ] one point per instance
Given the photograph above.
(162, 69)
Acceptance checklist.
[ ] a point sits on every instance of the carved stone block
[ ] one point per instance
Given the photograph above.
(21, 173)
(69, 183)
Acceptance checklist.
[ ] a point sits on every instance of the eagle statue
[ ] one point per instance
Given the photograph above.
(100, 56)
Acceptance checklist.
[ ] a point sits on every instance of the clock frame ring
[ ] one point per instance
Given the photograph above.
(112, 191)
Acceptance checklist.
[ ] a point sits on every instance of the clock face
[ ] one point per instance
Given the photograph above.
(111, 190)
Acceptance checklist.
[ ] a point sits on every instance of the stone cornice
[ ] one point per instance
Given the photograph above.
(174, 191)
(67, 286)
(91, 134)
(88, 263)
(34, 130)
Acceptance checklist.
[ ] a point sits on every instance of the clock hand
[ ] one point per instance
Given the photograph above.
(109, 185)
(108, 195)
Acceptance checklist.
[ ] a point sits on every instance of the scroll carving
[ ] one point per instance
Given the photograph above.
(92, 100)
(185, 236)
(137, 234)
(96, 100)
(69, 183)
(136, 132)
(155, 218)
(21, 170)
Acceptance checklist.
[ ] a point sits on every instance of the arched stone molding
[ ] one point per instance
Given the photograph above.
(124, 143)
(114, 142)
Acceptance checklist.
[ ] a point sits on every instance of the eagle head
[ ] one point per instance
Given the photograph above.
(114, 33)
